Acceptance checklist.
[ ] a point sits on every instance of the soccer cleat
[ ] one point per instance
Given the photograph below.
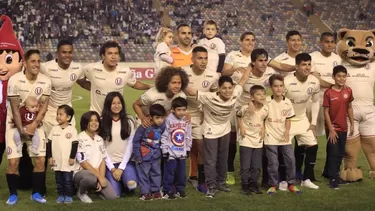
(193, 181)
(180, 194)
(202, 188)
(308, 184)
(38, 198)
(12, 200)
(169, 196)
(84, 198)
(211, 192)
(255, 189)
(230, 178)
(245, 192)
(342, 182)
(333, 183)
(283, 186)
(147, 197)
(271, 190)
(294, 189)
(68, 200)
(60, 199)
(157, 195)
(224, 188)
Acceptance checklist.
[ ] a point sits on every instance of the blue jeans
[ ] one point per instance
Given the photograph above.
(129, 174)
(64, 183)
(174, 174)
(335, 154)
(149, 176)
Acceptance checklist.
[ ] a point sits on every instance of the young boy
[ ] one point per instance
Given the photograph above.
(277, 140)
(214, 45)
(28, 114)
(337, 106)
(175, 145)
(147, 154)
(251, 125)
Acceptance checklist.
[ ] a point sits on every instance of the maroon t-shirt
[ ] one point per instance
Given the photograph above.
(338, 103)
(27, 117)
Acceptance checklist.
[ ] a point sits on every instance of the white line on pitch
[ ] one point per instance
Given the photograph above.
(77, 98)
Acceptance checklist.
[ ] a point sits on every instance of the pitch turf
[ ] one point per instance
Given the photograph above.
(358, 196)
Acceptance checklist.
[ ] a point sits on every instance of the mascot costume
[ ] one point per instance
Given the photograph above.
(11, 55)
(356, 48)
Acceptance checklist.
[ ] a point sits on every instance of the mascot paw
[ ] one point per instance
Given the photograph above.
(372, 175)
(352, 174)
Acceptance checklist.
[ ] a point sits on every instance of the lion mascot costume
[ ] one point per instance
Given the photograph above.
(356, 48)
(11, 55)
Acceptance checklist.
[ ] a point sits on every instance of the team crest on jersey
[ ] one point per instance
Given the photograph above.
(68, 136)
(29, 117)
(335, 64)
(73, 77)
(38, 90)
(205, 84)
(367, 66)
(285, 112)
(266, 83)
(212, 46)
(310, 91)
(9, 150)
(346, 96)
(178, 137)
(118, 81)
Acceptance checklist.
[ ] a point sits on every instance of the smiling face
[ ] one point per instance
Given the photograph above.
(93, 124)
(248, 43)
(65, 55)
(226, 91)
(168, 39)
(116, 106)
(9, 64)
(184, 36)
(340, 78)
(303, 68)
(294, 43)
(62, 117)
(32, 64)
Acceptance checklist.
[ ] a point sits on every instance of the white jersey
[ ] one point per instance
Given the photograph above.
(93, 149)
(361, 81)
(237, 59)
(205, 82)
(286, 59)
(215, 47)
(300, 93)
(20, 86)
(161, 48)
(217, 112)
(62, 82)
(103, 82)
(152, 96)
(61, 145)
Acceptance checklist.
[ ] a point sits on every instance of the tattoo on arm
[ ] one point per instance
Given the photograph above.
(15, 106)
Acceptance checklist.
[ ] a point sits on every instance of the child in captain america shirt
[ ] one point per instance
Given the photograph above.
(176, 143)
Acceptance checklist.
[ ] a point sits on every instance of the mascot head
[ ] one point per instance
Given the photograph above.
(356, 46)
(11, 52)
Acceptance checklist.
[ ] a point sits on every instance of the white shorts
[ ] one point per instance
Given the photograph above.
(11, 147)
(49, 121)
(197, 128)
(320, 124)
(300, 130)
(364, 121)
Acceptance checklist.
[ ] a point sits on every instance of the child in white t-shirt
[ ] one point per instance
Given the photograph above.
(162, 56)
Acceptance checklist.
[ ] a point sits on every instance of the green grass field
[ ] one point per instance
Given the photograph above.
(357, 196)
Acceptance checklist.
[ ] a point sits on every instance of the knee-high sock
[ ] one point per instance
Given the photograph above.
(201, 176)
(299, 154)
(310, 162)
(12, 180)
(232, 151)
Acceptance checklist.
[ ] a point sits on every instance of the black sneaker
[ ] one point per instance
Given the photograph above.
(342, 182)
(333, 184)
(211, 192)
(223, 187)
(169, 196)
(245, 192)
(255, 189)
(180, 194)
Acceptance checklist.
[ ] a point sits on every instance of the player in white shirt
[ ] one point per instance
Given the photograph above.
(217, 108)
(294, 43)
(64, 73)
(214, 45)
(301, 87)
(21, 85)
(200, 79)
(169, 84)
(106, 76)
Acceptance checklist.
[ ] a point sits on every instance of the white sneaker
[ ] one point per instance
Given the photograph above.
(283, 186)
(84, 198)
(308, 184)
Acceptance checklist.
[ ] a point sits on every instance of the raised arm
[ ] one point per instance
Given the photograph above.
(245, 77)
(281, 66)
(141, 86)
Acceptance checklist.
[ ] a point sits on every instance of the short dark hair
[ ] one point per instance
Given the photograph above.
(63, 42)
(292, 33)
(30, 52)
(255, 88)
(109, 44)
(243, 35)
(199, 49)
(302, 57)
(326, 34)
(211, 22)
(182, 25)
(179, 102)
(157, 110)
(224, 79)
(275, 77)
(68, 110)
(258, 52)
(85, 119)
(339, 69)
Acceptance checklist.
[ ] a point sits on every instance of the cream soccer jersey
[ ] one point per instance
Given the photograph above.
(217, 112)
(214, 46)
(103, 82)
(93, 149)
(61, 144)
(300, 93)
(205, 82)
(237, 59)
(161, 48)
(278, 113)
(253, 125)
(19, 85)
(152, 96)
(286, 59)
(361, 81)
(62, 82)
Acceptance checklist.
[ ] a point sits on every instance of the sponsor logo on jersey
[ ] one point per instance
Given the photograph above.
(98, 70)
(53, 70)
(22, 81)
(122, 72)
(103, 79)
(38, 90)
(75, 68)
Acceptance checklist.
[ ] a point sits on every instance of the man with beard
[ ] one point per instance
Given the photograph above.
(182, 53)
